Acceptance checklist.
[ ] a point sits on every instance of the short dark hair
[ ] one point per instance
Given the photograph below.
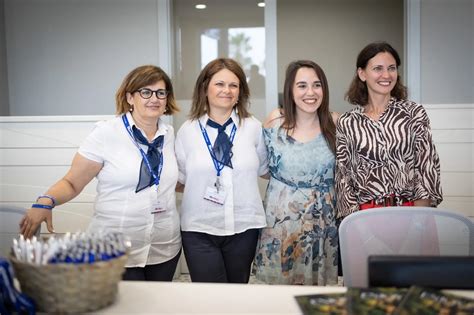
(357, 93)
(140, 77)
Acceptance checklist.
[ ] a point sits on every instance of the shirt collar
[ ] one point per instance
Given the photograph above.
(235, 118)
(360, 109)
(162, 127)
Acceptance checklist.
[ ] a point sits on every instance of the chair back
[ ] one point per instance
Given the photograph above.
(400, 231)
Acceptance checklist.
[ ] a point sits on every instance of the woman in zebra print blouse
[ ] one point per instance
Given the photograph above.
(385, 154)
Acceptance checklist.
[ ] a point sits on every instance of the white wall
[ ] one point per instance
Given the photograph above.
(447, 47)
(68, 57)
(35, 152)
(447, 91)
(453, 134)
(4, 102)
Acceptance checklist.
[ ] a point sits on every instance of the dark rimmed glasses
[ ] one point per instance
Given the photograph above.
(147, 93)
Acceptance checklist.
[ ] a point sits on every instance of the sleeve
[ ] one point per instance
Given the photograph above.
(346, 199)
(427, 165)
(262, 154)
(180, 157)
(92, 148)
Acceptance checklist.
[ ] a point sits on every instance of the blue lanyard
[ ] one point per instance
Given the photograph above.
(156, 177)
(217, 165)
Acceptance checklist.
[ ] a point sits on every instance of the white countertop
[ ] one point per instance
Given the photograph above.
(136, 297)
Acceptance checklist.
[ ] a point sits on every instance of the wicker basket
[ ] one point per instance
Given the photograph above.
(69, 288)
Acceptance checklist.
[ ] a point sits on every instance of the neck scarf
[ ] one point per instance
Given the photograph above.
(222, 146)
(154, 156)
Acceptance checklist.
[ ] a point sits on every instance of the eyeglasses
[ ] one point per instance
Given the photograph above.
(147, 93)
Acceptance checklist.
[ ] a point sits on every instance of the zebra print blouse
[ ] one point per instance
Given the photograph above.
(394, 155)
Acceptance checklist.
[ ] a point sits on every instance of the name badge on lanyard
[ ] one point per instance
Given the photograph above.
(216, 193)
(158, 205)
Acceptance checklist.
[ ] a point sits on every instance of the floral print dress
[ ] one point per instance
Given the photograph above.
(299, 244)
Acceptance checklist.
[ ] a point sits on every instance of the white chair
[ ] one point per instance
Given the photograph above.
(400, 231)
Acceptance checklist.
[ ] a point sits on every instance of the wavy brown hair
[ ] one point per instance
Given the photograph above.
(358, 93)
(141, 77)
(200, 104)
(328, 128)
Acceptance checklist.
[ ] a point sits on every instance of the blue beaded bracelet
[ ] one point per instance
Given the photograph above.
(48, 197)
(40, 206)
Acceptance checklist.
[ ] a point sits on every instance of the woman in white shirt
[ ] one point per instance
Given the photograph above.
(221, 153)
(132, 157)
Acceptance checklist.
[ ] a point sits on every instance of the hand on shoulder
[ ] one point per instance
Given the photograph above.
(335, 116)
(273, 118)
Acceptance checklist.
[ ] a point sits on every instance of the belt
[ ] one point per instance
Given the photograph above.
(387, 201)
(292, 184)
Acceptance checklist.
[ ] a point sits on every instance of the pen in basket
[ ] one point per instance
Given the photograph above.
(75, 248)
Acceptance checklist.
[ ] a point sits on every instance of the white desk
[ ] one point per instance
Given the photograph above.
(209, 298)
(136, 297)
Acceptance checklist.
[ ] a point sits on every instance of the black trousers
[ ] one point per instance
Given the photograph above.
(159, 272)
(212, 258)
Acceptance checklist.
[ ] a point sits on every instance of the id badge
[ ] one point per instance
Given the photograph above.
(157, 204)
(214, 195)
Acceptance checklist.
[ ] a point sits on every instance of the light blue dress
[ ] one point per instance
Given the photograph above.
(299, 244)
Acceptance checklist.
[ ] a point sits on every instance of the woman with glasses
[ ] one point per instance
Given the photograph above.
(132, 157)
(221, 153)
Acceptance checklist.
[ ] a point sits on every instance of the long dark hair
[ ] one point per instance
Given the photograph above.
(328, 128)
(357, 94)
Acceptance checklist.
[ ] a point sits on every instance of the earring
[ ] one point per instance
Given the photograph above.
(131, 108)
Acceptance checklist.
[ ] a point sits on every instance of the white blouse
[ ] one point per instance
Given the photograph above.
(155, 238)
(243, 208)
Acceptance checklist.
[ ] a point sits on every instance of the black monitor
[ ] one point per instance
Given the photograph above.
(441, 272)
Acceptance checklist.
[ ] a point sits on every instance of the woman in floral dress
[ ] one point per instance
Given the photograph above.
(299, 244)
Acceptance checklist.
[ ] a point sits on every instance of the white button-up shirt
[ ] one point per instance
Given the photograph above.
(155, 238)
(243, 208)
